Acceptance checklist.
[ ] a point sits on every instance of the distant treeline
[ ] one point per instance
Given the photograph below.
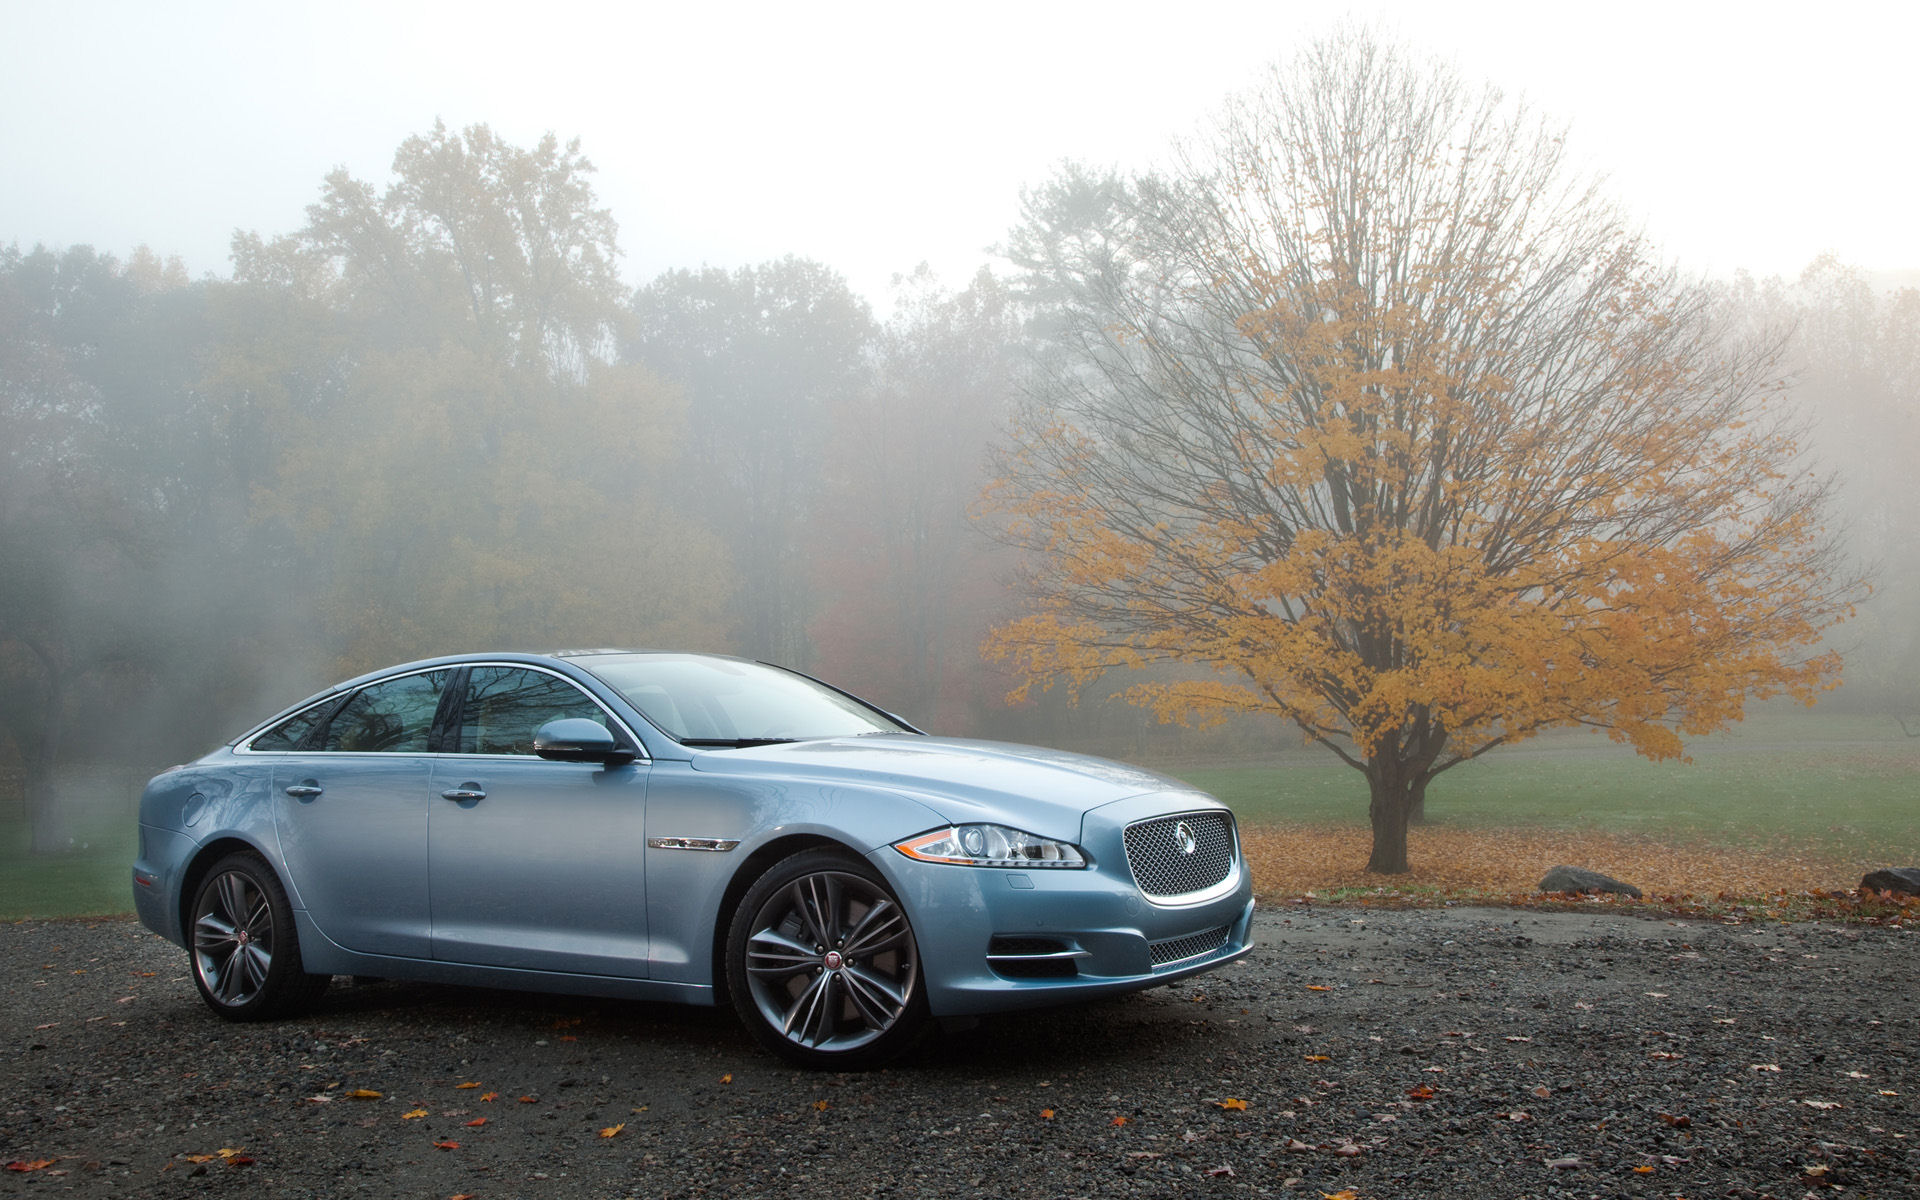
(435, 419)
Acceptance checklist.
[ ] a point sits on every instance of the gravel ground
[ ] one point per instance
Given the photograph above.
(1431, 1053)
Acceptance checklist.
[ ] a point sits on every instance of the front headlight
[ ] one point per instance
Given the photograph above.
(990, 846)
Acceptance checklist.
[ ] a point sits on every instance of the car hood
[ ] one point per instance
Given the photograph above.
(1042, 791)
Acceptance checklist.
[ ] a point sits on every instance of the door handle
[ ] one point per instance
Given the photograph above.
(466, 791)
(304, 791)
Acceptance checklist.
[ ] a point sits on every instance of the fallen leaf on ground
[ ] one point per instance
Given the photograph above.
(613, 1130)
(821, 1106)
(364, 1094)
(463, 1086)
(35, 1164)
(477, 1121)
(418, 1112)
(1232, 1105)
(1046, 1114)
(489, 1097)
(446, 1145)
(1118, 1121)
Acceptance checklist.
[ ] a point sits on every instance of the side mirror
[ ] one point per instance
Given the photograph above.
(576, 739)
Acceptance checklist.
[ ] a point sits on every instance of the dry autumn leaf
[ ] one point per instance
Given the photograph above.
(727, 1078)
(476, 1122)
(1318, 1057)
(821, 1106)
(1423, 1092)
(528, 1100)
(364, 1094)
(463, 1086)
(1232, 1105)
(446, 1145)
(33, 1164)
(1643, 1170)
(613, 1130)
(1118, 1121)
(1318, 987)
(418, 1112)
(489, 1097)
(1046, 1114)
(1342, 1194)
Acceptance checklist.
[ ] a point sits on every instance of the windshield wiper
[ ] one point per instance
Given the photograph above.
(736, 743)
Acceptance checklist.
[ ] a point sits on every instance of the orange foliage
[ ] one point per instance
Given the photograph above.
(1396, 434)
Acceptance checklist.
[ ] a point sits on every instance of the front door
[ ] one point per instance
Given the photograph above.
(533, 864)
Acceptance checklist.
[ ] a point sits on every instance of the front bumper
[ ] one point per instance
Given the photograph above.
(992, 939)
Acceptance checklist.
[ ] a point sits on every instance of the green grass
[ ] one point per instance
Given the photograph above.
(1843, 787)
(96, 881)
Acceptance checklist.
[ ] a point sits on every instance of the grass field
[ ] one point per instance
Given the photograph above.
(1784, 802)
(1841, 787)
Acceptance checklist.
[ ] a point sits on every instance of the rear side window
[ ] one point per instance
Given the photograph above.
(505, 706)
(391, 717)
(288, 734)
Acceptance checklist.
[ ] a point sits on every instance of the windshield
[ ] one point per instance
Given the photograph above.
(703, 701)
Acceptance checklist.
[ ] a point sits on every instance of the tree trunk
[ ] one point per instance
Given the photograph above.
(1397, 794)
(1417, 814)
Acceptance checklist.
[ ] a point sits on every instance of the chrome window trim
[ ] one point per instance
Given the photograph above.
(244, 744)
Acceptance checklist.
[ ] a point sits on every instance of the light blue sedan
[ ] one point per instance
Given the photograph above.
(684, 827)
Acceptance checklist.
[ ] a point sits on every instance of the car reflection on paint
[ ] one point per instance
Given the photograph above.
(680, 827)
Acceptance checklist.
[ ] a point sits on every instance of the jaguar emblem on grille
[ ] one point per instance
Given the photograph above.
(1183, 837)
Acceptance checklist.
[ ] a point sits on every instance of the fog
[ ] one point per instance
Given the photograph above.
(323, 345)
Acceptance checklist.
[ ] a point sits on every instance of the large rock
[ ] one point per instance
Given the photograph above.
(1903, 881)
(1579, 879)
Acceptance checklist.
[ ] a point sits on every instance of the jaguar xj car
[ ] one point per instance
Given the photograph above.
(688, 827)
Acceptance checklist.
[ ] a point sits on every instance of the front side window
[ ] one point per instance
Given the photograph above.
(391, 717)
(506, 706)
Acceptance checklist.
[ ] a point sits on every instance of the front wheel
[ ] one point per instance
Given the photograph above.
(822, 964)
(246, 956)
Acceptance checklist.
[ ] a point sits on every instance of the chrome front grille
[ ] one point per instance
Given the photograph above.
(1194, 945)
(1181, 856)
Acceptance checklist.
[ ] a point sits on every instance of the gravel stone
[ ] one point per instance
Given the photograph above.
(1437, 1052)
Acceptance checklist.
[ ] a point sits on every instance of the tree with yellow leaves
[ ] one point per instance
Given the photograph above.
(1374, 412)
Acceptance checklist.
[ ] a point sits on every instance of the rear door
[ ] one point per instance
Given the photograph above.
(351, 808)
(535, 864)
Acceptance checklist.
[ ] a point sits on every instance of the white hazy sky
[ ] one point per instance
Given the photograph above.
(874, 136)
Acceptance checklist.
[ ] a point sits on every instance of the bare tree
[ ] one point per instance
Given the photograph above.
(1376, 411)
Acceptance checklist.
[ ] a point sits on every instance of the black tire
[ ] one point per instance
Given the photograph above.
(822, 964)
(246, 955)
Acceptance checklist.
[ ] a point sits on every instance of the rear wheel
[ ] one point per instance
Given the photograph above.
(822, 963)
(246, 955)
